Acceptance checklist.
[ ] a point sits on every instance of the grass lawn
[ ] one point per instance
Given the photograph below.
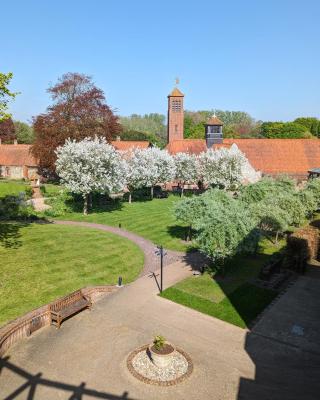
(153, 220)
(239, 308)
(11, 187)
(231, 298)
(50, 189)
(42, 262)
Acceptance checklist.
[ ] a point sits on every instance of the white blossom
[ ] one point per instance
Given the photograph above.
(90, 165)
(186, 170)
(226, 168)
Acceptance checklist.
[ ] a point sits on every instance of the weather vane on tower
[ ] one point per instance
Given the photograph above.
(177, 81)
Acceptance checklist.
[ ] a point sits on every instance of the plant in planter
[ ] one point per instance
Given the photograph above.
(161, 352)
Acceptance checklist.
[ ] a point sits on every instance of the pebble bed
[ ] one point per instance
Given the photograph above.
(140, 365)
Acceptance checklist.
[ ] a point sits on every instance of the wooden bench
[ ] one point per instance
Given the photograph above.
(67, 306)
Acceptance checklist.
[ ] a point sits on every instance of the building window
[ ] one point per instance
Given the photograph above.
(176, 105)
(176, 128)
(214, 129)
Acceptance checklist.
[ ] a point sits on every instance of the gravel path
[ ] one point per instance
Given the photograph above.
(151, 260)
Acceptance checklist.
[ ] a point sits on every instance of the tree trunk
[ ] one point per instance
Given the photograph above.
(181, 193)
(85, 204)
(189, 233)
(151, 192)
(277, 237)
(130, 198)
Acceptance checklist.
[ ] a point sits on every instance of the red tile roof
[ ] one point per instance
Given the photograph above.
(176, 93)
(124, 145)
(214, 120)
(17, 155)
(193, 146)
(271, 156)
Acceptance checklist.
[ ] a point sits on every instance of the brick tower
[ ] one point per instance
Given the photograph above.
(175, 115)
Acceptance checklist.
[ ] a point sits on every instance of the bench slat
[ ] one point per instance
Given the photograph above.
(73, 308)
(68, 305)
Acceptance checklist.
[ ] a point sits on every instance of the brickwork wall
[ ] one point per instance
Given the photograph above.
(175, 118)
(24, 326)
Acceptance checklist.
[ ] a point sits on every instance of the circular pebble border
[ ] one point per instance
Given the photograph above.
(140, 365)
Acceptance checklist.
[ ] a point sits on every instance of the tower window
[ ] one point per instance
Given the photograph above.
(176, 128)
(176, 105)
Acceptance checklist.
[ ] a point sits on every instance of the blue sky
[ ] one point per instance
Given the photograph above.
(257, 56)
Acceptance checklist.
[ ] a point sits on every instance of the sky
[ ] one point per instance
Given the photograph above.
(261, 57)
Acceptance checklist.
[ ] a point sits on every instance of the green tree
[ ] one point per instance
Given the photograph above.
(284, 130)
(226, 229)
(311, 123)
(236, 123)
(151, 124)
(313, 186)
(5, 94)
(24, 132)
(266, 187)
(137, 135)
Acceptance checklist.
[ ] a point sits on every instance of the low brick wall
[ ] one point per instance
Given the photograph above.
(24, 326)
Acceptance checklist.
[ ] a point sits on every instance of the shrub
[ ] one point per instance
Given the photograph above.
(61, 204)
(15, 207)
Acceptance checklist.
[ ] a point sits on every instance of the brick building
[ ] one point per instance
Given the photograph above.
(292, 157)
(17, 162)
(175, 125)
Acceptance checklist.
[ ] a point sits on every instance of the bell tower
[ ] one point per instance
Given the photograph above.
(175, 115)
(213, 130)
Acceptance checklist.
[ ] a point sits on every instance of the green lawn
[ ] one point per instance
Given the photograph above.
(231, 298)
(42, 262)
(8, 188)
(50, 189)
(153, 220)
(239, 308)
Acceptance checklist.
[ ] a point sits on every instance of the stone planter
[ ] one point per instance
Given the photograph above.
(161, 360)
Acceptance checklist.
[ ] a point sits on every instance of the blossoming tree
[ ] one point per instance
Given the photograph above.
(147, 167)
(91, 165)
(186, 171)
(225, 168)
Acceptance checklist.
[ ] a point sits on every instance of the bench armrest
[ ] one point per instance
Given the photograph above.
(87, 298)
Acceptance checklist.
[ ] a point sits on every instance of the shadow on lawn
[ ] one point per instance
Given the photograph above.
(10, 234)
(178, 231)
(34, 382)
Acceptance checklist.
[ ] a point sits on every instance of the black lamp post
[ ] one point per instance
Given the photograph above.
(160, 252)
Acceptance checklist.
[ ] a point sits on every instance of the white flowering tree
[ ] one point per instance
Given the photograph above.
(140, 169)
(248, 173)
(91, 165)
(225, 168)
(186, 169)
(147, 167)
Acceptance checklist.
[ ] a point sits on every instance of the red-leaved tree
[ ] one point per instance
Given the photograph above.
(79, 110)
(7, 130)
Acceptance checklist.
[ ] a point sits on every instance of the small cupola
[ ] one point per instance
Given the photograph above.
(213, 130)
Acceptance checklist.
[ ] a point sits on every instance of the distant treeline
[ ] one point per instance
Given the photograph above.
(152, 127)
(237, 124)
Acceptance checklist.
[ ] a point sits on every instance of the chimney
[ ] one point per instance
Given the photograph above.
(118, 138)
(15, 141)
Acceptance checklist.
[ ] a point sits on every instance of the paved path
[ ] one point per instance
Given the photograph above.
(92, 348)
(151, 260)
(87, 356)
(38, 201)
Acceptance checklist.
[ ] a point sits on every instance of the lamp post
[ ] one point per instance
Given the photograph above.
(160, 252)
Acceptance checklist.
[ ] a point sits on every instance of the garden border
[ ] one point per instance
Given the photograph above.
(153, 381)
